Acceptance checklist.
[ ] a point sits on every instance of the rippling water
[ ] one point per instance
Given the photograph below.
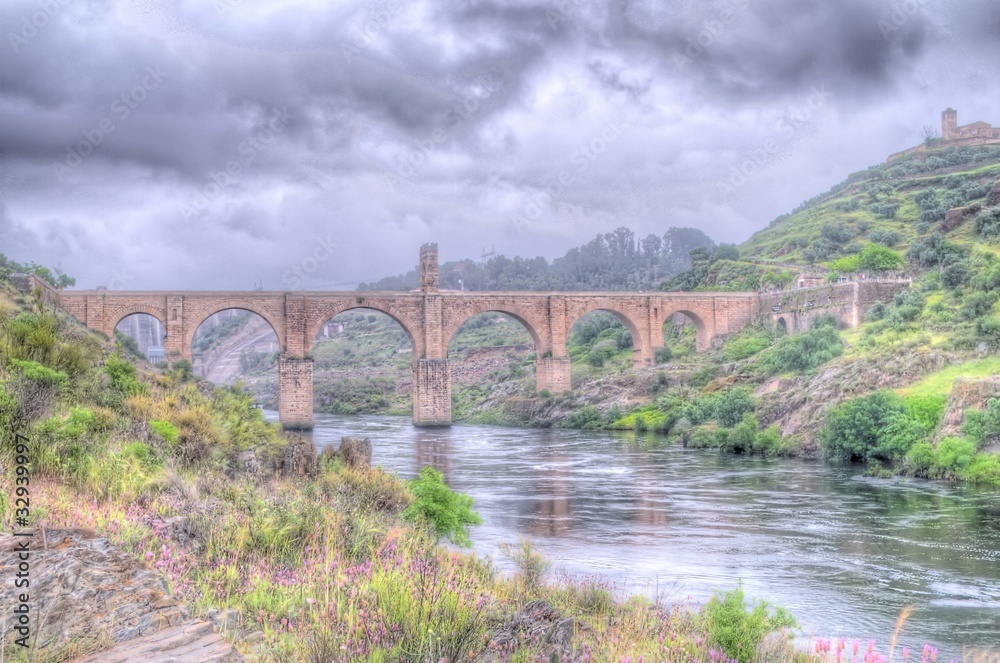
(844, 553)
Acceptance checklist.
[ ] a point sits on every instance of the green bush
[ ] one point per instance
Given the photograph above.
(588, 417)
(804, 352)
(123, 376)
(165, 430)
(954, 454)
(42, 375)
(878, 258)
(447, 512)
(663, 355)
(737, 627)
(602, 352)
(921, 458)
(747, 343)
(875, 427)
(988, 223)
(731, 406)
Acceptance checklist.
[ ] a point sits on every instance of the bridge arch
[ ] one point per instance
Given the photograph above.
(326, 312)
(641, 342)
(703, 335)
(459, 320)
(116, 315)
(203, 315)
(537, 340)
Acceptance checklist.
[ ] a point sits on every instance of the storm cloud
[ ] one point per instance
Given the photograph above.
(217, 143)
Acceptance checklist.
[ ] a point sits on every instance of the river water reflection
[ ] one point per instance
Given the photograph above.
(844, 553)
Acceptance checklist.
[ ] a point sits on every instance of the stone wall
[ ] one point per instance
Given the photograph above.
(846, 302)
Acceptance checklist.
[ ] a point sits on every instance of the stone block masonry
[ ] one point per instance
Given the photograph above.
(431, 316)
(295, 393)
(432, 393)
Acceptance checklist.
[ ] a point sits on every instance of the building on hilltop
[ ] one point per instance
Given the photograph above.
(976, 133)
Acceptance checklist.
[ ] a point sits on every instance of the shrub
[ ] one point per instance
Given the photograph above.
(165, 430)
(601, 352)
(988, 330)
(587, 417)
(730, 406)
(877, 312)
(804, 352)
(977, 304)
(41, 375)
(746, 344)
(888, 238)
(663, 355)
(871, 428)
(877, 258)
(737, 627)
(955, 275)
(921, 458)
(955, 454)
(703, 377)
(531, 565)
(123, 378)
(988, 223)
(447, 512)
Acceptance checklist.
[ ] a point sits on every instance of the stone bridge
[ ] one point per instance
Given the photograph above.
(430, 318)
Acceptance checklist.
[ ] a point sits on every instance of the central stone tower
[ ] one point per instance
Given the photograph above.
(429, 267)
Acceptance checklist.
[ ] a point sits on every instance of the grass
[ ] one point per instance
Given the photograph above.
(940, 382)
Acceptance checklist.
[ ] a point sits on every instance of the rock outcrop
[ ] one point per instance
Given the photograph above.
(354, 453)
(85, 592)
(299, 458)
(965, 394)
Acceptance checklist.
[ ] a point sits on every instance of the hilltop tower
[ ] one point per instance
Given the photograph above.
(949, 124)
(429, 267)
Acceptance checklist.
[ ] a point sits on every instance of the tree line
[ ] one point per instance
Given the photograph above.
(617, 260)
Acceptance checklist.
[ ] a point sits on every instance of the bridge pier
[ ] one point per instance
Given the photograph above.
(295, 393)
(432, 393)
(553, 374)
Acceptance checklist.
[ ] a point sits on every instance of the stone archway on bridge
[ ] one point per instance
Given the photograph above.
(224, 363)
(116, 315)
(641, 341)
(703, 336)
(533, 336)
(194, 319)
(325, 313)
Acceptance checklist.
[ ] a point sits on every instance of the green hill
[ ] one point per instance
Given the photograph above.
(929, 207)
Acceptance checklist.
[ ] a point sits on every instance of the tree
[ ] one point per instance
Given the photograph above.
(878, 258)
(447, 512)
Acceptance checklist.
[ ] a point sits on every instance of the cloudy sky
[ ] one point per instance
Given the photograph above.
(215, 143)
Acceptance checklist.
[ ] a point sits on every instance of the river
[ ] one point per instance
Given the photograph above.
(842, 552)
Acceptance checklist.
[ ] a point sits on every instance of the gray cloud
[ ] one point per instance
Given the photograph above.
(413, 121)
